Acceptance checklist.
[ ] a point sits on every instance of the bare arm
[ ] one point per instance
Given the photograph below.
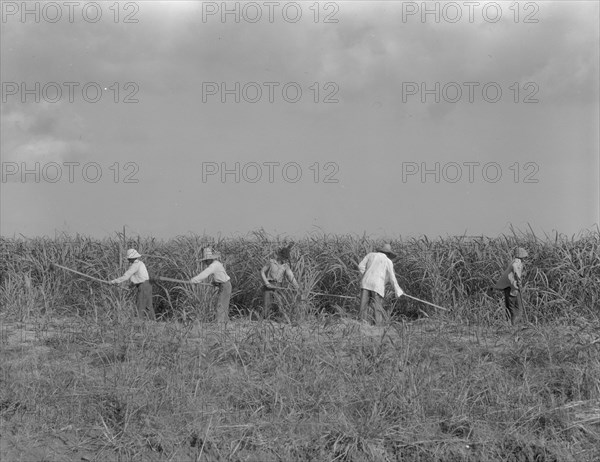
(263, 275)
(290, 277)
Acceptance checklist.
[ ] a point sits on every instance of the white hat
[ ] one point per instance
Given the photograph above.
(132, 253)
(209, 254)
(521, 253)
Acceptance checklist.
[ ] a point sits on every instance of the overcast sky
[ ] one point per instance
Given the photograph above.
(342, 117)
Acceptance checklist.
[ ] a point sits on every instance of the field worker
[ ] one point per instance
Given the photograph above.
(216, 271)
(273, 273)
(510, 283)
(376, 269)
(137, 274)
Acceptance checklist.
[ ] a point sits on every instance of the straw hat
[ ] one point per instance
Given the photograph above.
(132, 254)
(209, 254)
(520, 252)
(386, 249)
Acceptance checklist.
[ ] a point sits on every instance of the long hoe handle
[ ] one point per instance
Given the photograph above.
(333, 295)
(317, 293)
(181, 281)
(81, 274)
(427, 303)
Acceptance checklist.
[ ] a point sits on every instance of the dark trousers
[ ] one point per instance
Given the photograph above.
(270, 296)
(143, 301)
(514, 310)
(371, 307)
(223, 301)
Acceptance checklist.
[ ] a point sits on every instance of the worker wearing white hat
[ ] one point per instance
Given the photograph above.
(510, 284)
(216, 270)
(376, 269)
(137, 274)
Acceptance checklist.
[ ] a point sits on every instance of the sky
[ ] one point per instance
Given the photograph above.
(384, 118)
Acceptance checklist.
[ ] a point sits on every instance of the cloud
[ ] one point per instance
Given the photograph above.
(369, 53)
(35, 135)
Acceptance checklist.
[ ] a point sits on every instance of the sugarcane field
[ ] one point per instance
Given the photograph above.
(87, 377)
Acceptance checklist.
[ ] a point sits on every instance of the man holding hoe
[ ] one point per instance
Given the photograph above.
(137, 274)
(220, 279)
(510, 284)
(376, 269)
(272, 275)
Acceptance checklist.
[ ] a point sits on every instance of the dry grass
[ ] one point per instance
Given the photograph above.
(424, 391)
(563, 280)
(81, 380)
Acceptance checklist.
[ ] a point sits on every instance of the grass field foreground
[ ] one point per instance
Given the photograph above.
(261, 391)
(82, 380)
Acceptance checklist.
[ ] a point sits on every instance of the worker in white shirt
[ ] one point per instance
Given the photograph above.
(137, 274)
(510, 284)
(376, 269)
(216, 271)
(273, 274)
